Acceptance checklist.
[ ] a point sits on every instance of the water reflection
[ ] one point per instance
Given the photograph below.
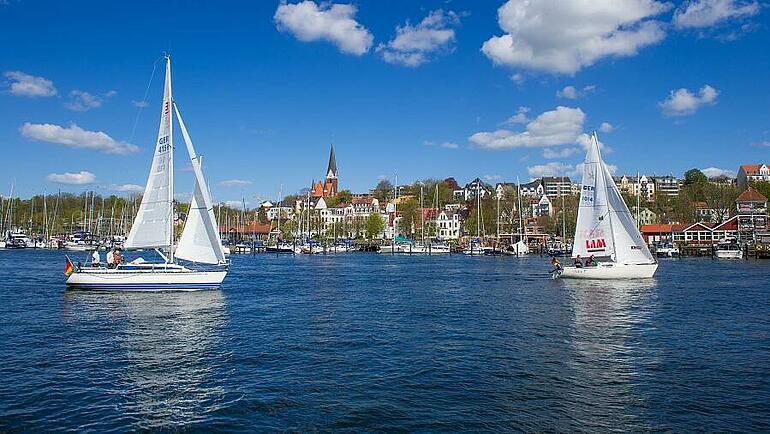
(605, 332)
(165, 348)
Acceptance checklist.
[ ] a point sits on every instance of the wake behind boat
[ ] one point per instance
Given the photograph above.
(605, 229)
(153, 227)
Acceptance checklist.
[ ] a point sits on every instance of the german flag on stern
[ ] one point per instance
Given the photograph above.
(68, 267)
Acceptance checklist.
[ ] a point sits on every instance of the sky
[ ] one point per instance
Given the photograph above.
(431, 89)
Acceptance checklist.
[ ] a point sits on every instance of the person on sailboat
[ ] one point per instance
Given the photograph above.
(117, 258)
(555, 262)
(110, 258)
(95, 258)
(578, 262)
(590, 261)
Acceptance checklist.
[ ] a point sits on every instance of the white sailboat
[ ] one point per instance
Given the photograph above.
(606, 229)
(153, 227)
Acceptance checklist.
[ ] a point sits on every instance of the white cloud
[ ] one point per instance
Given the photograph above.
(551, 153)
(606, 127)
(491, 178)
(238, 204)
(706, 13)
(682, 102)
(127, 188)
(560, 126)
(715, 172)
(414, 45)
(335, 23)
(23, 84)
(140, 104)
(235, 183)
(83, 101)
(553, 168)
(518, 78)
(520, 117)
(82, 177)
(76, 137)
(563, 36)
(571, 92)
(577, 172)
(445, 145)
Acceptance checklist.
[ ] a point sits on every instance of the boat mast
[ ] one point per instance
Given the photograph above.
(171, 161)
(606, 195)
(422, 215)
(478, 210)
(521, 220)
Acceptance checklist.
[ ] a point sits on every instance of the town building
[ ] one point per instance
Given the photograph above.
(470, 190)
(752, 213)
(542, 207)
(449, 224)
(666, 185)
(645, 216)
(556, 186)
(533, 189)
(705, 213)
(749, 173)
(329, 187)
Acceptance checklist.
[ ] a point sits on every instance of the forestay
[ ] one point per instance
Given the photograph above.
(630, 248)
(200, 240)
(152, 226)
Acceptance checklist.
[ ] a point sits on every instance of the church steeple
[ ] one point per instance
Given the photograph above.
(331, 171)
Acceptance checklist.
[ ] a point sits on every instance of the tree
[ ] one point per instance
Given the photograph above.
(383, 190)
(262, 215)
(409, 214)
(375, 225)
(344, 196)
(762, 186)
(694, 176)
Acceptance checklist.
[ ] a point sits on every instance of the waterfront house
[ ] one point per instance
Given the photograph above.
(449, 224)
(470, 190)
(644, 217)
(659, 233)
(748, 173)
(542, 207)
(752, 212)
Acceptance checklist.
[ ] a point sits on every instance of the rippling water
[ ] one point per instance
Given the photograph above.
(376, 342)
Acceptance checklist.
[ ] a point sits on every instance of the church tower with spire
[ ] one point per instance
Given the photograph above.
(329, 187)
(330, 183)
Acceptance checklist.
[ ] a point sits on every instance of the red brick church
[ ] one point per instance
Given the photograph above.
(329, 187)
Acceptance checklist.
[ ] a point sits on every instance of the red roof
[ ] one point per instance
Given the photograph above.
(750, 169)
(660, 229)
(365, 201)
(751, 195)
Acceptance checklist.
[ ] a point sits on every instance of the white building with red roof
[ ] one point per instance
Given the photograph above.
(748, 173)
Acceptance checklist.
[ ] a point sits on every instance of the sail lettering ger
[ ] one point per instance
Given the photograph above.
(163, 145)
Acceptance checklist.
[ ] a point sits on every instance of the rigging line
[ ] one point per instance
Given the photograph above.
(144, 100)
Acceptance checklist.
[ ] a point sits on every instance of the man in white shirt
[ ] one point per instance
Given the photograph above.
(111, 258)
(95, 259)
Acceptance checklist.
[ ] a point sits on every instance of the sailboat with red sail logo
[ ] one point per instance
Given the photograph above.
(606, 229)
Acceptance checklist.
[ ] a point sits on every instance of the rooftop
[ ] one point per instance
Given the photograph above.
(751, 195)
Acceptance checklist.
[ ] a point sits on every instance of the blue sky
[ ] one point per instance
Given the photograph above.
(426, 89)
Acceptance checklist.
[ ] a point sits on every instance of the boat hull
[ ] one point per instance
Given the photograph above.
(609, 271)
(729, 254)
(145, 281)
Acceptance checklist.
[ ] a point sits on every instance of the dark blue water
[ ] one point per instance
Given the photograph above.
(361, 342)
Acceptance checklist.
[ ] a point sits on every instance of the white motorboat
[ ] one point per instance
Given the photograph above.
(728, 248)
(667, 250)
(281, 247)
(153, 227)
(605, 229)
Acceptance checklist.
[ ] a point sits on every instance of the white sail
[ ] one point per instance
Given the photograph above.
(152, 226)
(200, 238)
(630, 248)
(593, 232)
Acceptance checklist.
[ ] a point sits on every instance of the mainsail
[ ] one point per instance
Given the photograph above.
(605, 227)
(200, 238)
(153, 225)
